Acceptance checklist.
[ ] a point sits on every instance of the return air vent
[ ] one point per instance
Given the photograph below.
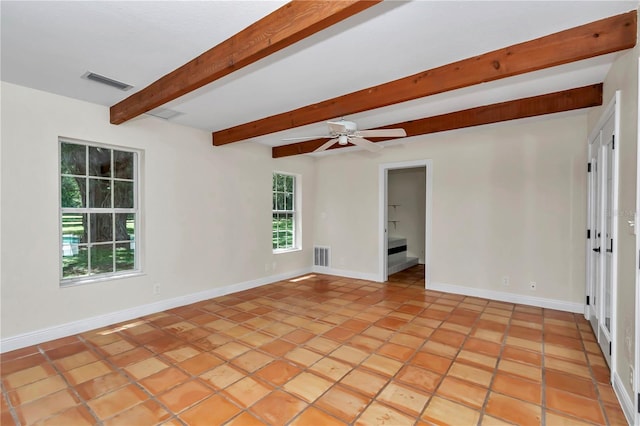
(321, 256)
(164, 113)
(106, 80)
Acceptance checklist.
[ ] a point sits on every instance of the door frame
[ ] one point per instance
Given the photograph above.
(636, 379)
(612, 108)
(383, 174)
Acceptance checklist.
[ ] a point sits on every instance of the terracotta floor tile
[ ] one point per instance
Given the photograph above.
(342, 403)
(403, 398)
(252, 360)
(87, 372)
(378, 332)
(375, 412)
(422, 379)
(247, 391)
(212, 411)
(47, 406)
(256, 339)
(100, 385)
(184, 395)
(471, 374)
(398, 352)
(277, 347)
(76, 360)
(349, 354)
(364, 382)
(278, 408)
(331, 369)
(278, 372)
(302, 356)
(482, 346)
(307, 386)
(462, 391)
(313, 416)
(578, 406)
(382, 364)
(200, 363)
(164, 380)
(115, 402)
(513, 410)
(182, 353)
(570, 383)
(522, 355)
(117, 347)
(131, 357)
(517, 388)
(28, 375)
(147, 413)
(76, 416)
(245, 419)
(298, 336)
(477, 359)
(64, 351)
(36, 390)
(560, 419)
(569, 367)
(432, 362)
(525, 371)
(231, 350)
(614, 414)
(145, 368)
(523, 343)
(222, 376)
(442, 411)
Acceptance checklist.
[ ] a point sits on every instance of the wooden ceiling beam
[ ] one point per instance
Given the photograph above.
(597, 38)
(567, 100)
(287, 25)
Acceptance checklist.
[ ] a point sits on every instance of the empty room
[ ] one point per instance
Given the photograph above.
(319, 213)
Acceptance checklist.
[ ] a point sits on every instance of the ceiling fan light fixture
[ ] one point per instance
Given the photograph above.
(343, 139)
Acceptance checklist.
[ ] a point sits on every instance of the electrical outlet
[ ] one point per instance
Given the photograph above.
(532, 285)
(505, 281)
(156, 289)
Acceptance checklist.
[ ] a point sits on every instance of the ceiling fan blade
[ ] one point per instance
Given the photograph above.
(328, 144)
(366, 144)
(382, 133)
(336, 127)
(302, 138)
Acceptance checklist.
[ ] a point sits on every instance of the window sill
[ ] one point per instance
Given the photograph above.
(92, 280)
(280, 251)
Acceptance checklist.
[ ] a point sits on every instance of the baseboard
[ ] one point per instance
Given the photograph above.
(75, 327)
(509, 297)
(347, 274)
(623, 397)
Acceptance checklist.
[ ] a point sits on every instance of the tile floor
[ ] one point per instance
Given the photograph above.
(320, 351)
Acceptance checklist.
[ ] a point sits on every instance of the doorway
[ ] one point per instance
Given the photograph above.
(404, 216)
(601, 230)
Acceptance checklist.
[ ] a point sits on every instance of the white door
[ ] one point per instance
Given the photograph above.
(601, 234)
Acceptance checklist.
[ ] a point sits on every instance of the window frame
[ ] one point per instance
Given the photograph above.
(136, 210)
(297, 221)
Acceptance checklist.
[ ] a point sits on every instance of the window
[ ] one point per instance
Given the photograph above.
(99, 211)
(285, 220)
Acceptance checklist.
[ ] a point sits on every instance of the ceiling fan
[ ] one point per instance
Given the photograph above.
(344, 132)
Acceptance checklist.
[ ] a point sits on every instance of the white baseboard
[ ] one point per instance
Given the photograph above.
(347, 274)
(80, 326)
(509, 297)
(623, 397)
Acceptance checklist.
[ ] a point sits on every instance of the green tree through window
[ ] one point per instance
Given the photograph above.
(98, 199)
(284, 212)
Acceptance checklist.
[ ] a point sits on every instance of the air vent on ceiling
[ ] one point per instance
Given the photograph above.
(164, 113)
(106, 80)
(321, 256)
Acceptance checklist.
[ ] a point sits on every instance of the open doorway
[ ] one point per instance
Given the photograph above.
(404, 212)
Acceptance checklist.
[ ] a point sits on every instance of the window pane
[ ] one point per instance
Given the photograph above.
(73, 159)
(75, 265)
(279, 201)
(123, 164)
(280, 183)
(74, 225)
(72, 191)
(289, 180)
(123, 194)
(100, 193)
(125, 226)
(99, 161)
(101, 259)
(288, 202)
(125, 260)
(101, 227)
(274, 180)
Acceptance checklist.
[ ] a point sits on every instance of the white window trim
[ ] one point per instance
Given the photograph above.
(297, 221)
(137, 208)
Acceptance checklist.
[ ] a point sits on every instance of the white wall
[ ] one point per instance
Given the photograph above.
(206, 219)
(623, 76)
(508, 200)
(407, 190)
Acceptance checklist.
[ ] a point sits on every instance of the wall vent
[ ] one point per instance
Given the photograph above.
(106, 80)
(321, 256)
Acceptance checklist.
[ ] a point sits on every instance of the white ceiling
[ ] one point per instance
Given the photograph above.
(49, 45)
